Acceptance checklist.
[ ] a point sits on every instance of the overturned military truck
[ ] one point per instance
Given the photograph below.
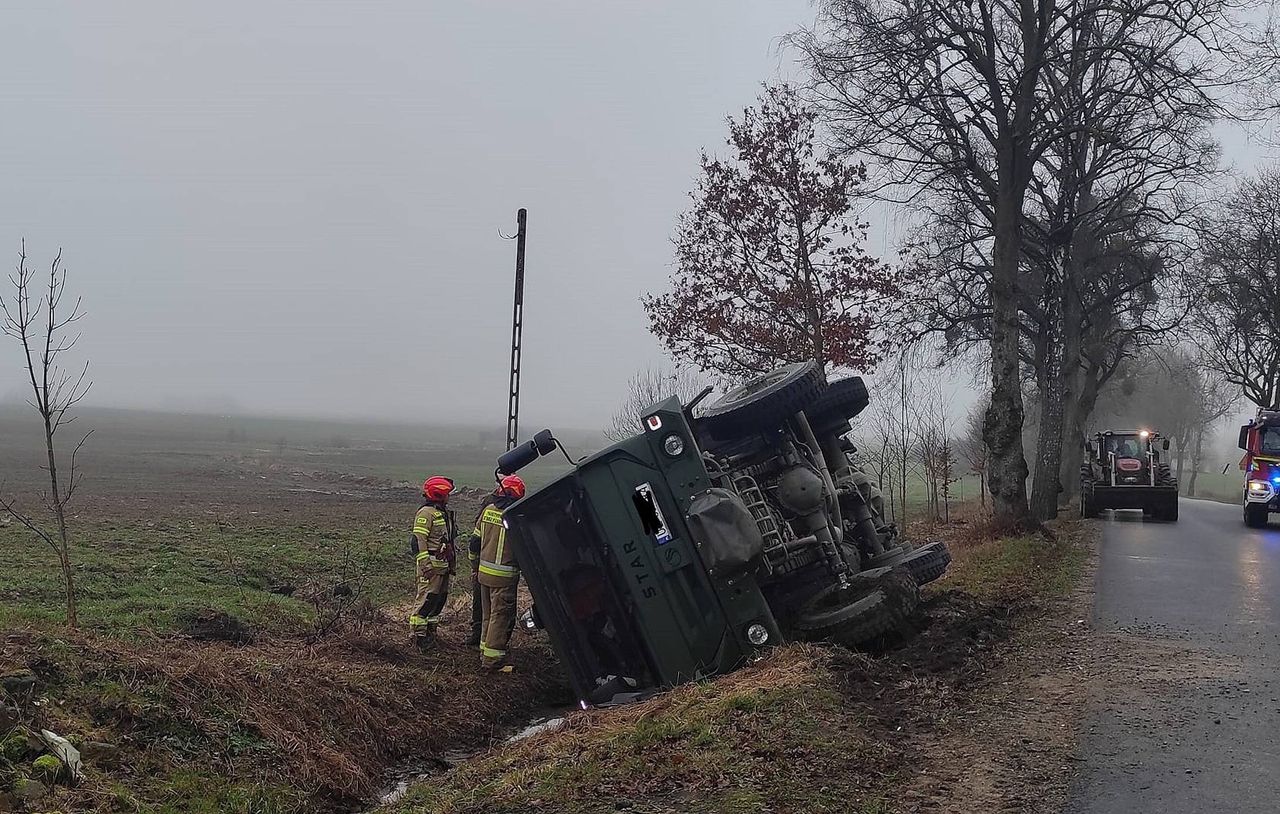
(681, 552)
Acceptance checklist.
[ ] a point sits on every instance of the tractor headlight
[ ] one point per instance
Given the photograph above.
(673, 444)
(757, 634)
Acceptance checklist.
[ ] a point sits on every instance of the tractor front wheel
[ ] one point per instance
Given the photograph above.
(1087, 507)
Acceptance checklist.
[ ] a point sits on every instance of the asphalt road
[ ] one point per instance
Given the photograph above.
(1203, 743)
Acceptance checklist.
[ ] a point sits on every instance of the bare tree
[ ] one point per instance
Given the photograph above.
(881, 438)
(945, 95)
(1238, 289)
(42, 325)
(998, 109)
(646, 388)
(973, 450)
(932, 447)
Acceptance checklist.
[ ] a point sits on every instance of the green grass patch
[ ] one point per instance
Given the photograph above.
(962, 491)
(1224, 488)
(1026, 564)
(150, 575)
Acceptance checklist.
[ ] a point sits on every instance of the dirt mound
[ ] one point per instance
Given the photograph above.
(957, 633)
(958, 645)
(209, 625)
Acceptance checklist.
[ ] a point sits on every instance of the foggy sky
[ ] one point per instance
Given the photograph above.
(293, 207)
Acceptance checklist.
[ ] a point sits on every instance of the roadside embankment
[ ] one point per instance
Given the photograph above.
(975, 713)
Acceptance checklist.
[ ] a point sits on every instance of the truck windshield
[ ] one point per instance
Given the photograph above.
(1125, 446)
(564, 553)
(1270, 441)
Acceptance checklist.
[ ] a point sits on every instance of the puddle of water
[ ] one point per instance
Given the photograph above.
(397, 793)
(409, 774)
(537, 727)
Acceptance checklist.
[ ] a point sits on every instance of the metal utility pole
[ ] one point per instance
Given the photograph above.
(517, 328)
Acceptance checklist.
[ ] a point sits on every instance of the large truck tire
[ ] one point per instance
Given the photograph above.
(928, 562)
(1255, 515)
(863, 614)
(764, 402)
(924, 563)
(843, 399)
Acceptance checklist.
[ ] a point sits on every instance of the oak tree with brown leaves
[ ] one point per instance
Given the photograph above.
(771, 265)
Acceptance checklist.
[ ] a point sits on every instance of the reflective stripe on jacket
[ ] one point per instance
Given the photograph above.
(497, 559)
(431, 530)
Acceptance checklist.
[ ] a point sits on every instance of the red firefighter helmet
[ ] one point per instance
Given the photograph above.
(437, 488)
(512, 485)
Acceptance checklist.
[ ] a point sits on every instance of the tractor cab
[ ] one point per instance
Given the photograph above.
(1130, 456)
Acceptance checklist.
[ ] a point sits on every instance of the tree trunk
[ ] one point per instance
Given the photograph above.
(905, 446)
(1075, 427)
(1195, 463)
(1073, 418)
(1002, 424)
(1062, 354)
(1181, 460)
(59, 510)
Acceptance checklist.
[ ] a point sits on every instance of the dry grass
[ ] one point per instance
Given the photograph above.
(321, 724)
(774, 734)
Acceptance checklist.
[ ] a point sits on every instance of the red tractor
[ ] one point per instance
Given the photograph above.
(1260, 440)
(1125, 469)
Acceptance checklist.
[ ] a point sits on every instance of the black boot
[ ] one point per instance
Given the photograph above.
(423, 639)
(474, 639)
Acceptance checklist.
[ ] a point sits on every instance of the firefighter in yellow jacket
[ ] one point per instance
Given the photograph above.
(498, 575)
(432, 547)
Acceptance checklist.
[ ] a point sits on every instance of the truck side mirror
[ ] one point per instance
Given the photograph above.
(544, 442)
(1165, 445)
(518, 457)
(1244, 438)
